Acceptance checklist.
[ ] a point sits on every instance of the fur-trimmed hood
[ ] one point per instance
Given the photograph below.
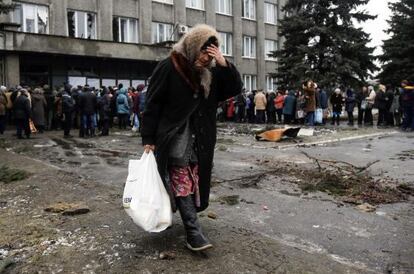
(189, 47)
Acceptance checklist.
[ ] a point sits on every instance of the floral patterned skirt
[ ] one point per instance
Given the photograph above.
(184, 181)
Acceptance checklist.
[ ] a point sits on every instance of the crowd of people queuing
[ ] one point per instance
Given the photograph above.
(91, 111)
(94, 111)
(312, 105)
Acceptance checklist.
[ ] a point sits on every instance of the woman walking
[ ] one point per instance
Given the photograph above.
(179, 122)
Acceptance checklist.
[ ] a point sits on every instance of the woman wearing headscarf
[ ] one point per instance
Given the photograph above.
(336, 101)
(179, 122)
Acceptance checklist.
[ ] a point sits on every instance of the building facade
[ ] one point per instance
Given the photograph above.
(106, 42)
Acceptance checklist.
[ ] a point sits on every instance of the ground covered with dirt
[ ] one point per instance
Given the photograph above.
(331, 200)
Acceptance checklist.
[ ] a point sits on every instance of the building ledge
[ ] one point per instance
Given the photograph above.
(9, 26)
(53, 44)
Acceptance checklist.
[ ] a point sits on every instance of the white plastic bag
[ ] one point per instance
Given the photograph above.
(145, 199)
(318, 116)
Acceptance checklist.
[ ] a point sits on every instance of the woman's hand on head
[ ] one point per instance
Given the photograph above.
(215, 52)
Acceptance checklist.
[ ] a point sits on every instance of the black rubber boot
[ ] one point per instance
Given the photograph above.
(196, 241)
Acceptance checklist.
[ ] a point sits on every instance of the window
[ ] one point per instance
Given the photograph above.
(249, 47)
(270, 46)
(125, 30)
(82, 24)
(224, 6)
(226, 46)
(32, 18)
(270, 13)
(195, 4)
(249, 82)
(164, 1)
(161, 32)
(249, 9)
(270, 83)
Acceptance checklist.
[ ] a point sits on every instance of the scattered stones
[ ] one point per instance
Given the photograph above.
(247, 202)
(212, 215)
(69, 209)
(265, 207)
(365, 207)
(167, 255)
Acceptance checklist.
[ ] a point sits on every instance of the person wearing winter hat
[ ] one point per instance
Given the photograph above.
(179, 122)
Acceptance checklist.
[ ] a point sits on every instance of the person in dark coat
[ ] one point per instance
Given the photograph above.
(270, 108)
(289, 107)
(104, 108)
(39, 105)
(336, 101)
(381, 103)
(360, 96)
(88, 107)
(323, 104)
(389, 116)
(179, 122)
(251, 118)
(68, 107)
(240, 102)
(407, 104)
(350, 102)
(22, 113)
(395, 109)
(3, 109)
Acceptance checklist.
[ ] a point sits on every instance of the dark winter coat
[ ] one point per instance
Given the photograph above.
(289, 106)
(68, 103)
(350, 102)
(21, 107)
(135, 103)
(381, 100)
(270, 107)
(38, 109)
(3, 104)
(407, 97)
(105, 106)
(336, 101)
(171, 101)
(323, 99)
(87, 103)
(389, 96)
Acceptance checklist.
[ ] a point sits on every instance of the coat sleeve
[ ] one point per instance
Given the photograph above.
(154, 101)
(229, 82)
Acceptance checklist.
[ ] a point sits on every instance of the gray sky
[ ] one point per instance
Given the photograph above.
(376, 28)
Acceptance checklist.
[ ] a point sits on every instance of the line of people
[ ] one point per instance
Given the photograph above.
(313, 105)
(82, 107)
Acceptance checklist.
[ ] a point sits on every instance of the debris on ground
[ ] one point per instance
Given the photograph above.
(68, 208)
(365, 207)
(306, 132)
(247, 202)
(275, 135)
(8, 175)
(167, 255)
(350, 183)
(265, 207)
(212, 215)
(4, 264)
(230, 200)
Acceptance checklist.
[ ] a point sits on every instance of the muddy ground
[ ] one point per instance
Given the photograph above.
(266, 221)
